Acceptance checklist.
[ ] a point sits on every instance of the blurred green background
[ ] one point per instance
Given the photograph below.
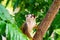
(12, 16)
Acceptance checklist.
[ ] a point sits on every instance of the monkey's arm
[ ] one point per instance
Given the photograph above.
(36, 27)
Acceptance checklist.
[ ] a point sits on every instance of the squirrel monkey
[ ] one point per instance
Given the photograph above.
(29, 25)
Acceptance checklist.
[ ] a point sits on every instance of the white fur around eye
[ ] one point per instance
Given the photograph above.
(29, 15)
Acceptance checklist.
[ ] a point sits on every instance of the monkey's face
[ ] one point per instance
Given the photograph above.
(30, 17)
(31, 22)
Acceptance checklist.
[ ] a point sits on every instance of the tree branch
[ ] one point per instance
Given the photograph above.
(45, 24)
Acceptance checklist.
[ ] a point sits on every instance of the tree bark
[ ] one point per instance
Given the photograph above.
(46, 22)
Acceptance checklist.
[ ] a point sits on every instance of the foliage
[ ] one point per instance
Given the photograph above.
(8, 26)
(39, 8)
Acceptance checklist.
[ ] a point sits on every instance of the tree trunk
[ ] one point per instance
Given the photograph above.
(46, 22)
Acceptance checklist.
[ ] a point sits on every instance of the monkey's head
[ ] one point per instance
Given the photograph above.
(31, 22)
(30, 17)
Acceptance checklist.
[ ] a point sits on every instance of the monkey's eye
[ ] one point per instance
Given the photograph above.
(33, 16)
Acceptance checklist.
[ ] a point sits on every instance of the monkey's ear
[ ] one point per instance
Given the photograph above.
(33, 15)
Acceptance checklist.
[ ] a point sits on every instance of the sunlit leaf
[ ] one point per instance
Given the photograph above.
(57, 31)
(15, 33)
(4, 14)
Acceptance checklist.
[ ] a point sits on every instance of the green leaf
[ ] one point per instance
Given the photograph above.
(57, 31)
(8, 25)
(56, 21)
(2, 27)
(4, 14)
(13, 33)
